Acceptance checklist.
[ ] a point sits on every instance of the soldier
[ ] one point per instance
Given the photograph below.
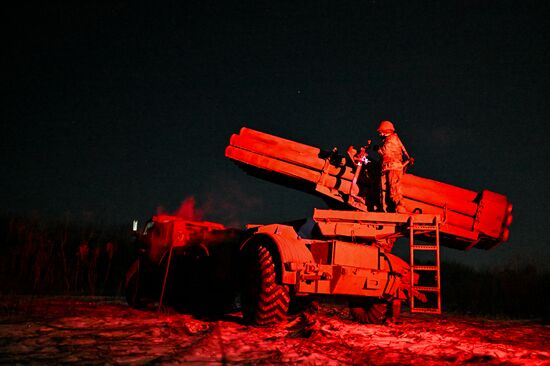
(392, 151)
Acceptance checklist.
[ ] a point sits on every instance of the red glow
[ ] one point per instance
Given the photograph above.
(81, 326)
(186, 211)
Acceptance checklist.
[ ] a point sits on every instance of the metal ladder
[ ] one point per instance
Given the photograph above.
(414, 246)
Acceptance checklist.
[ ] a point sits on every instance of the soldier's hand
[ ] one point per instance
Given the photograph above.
(411, 160)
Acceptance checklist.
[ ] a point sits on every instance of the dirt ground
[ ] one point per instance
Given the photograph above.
(105, 331)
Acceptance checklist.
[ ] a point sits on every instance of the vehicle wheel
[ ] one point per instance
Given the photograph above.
(134, 289)
(264, 302)
(369, 311)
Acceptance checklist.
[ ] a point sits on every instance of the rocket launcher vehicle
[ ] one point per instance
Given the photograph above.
(468, 219)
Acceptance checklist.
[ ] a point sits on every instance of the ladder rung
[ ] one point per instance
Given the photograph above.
(427, 288)
(425, 247)
(426, 310)
(424, 227)
(425, 268)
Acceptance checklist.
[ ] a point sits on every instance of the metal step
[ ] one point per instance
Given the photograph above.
(426, 310)
(424, 247)
(426, 288)
(425, 268)
(424, 227)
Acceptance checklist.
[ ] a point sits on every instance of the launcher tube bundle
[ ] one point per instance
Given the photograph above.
(469, 218)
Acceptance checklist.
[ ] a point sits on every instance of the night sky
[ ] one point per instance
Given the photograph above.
(112, 110)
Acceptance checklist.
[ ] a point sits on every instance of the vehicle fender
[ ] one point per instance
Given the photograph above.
(289, 251)
(400, 269)
(396, 264)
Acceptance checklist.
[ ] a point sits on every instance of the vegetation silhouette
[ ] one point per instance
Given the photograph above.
(48, 256)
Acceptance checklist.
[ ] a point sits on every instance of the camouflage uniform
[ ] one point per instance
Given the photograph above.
(391, 152)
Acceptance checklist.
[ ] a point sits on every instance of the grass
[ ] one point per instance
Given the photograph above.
(50, 256)
(514, 292)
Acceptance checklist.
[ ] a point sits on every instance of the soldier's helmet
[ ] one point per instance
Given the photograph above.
(386, 126)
